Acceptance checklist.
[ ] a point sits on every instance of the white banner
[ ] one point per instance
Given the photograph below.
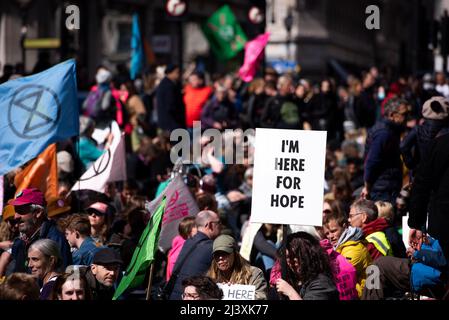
(288, 177)
(180, 204)
(248, 239)
(110, 167)
(238, 291)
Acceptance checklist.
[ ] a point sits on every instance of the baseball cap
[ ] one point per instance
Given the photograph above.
(98, 208)
(57, 206)
(224, 243)
(106, 256)
(29, 196)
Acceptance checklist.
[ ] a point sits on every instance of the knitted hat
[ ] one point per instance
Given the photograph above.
(436, 108)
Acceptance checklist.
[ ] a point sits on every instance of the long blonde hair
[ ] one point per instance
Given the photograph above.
(241, 271)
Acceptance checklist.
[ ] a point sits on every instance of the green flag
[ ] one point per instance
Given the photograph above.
(225, 36)
(144, 253)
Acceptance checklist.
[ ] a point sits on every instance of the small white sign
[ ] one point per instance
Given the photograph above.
(238, 291)
(405, 231)
(161, 44)
(288, 177)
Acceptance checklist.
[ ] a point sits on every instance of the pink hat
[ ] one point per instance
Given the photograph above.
(29, 196)
(98, 207)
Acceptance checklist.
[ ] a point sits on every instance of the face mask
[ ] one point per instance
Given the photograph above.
(103, 76)
(381, 95)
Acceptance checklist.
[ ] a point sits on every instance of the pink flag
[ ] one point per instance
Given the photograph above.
(253, 55)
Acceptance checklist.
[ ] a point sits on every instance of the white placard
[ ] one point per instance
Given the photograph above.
(248, 239)
(405, 231)
(288, 177)
(238, 291)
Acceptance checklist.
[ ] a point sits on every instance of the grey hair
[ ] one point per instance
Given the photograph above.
(367, 206)
(48, 248)
(393, 105)
(203, 217)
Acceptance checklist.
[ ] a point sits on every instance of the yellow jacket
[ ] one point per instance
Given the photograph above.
(356, 253)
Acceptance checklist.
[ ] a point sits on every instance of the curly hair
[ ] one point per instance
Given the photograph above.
(205, 286)
(311, 257)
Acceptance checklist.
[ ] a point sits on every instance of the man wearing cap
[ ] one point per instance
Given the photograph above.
(103, 273)
(195, 257)
(169, 101)
(31, 216)
(415, 146)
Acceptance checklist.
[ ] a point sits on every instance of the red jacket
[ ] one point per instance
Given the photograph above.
(380, 224)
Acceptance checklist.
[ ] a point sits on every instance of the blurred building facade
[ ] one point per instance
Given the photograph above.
(329, 37)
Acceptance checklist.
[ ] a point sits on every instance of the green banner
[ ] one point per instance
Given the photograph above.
(144, 254)
(226, 37)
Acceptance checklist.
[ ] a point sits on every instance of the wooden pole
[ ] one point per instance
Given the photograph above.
(150, 280)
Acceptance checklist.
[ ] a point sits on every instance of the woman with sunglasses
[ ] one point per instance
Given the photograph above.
(229, 267)
(99, 222)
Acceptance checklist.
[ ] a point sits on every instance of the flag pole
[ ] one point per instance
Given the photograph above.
(150, 280)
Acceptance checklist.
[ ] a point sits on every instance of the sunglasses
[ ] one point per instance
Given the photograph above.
(95, 212)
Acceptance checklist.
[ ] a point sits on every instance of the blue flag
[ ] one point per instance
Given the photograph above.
(36, 111)
(136, 49)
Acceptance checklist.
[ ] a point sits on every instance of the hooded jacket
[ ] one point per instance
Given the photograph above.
(344, 272)
(378, 244)
(352, 246)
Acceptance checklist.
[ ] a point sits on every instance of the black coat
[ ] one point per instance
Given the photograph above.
(430, 192)
(197, 263)
(170, 106)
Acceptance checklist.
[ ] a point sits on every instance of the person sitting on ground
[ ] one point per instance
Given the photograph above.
(309, 273)
(424, 269)
(77, 233)
(201, 288)
(19, 286)
(350, 243)
(363, 214)
(385, 210)
(229, 267)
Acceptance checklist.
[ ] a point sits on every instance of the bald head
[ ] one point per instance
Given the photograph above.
(208, 222)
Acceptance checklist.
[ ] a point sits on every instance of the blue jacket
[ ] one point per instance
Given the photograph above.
(383, 168)
(426, 271)
(197, 263)
(85, 253)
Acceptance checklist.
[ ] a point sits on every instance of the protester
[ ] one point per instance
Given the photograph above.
(229, 267)
(196, 94)
(44, 261)
(187, 229)
(201, 288)
(19, 286)
(30, 214)
(350, 243)
(169, 103)
(195, 257)
(309, 275)
(71, 286)
(99, 222)
(77, 233)
(103, 273)
(383, 169)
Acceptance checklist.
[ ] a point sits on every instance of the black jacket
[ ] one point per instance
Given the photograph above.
(320, 288)
(430, 192)
(197, 263)
(170, 106)
(415, 145)
(281, 112)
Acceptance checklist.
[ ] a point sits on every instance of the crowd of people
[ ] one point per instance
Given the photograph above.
(387, 157)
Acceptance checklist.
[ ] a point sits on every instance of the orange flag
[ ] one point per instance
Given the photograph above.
(41, 173)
